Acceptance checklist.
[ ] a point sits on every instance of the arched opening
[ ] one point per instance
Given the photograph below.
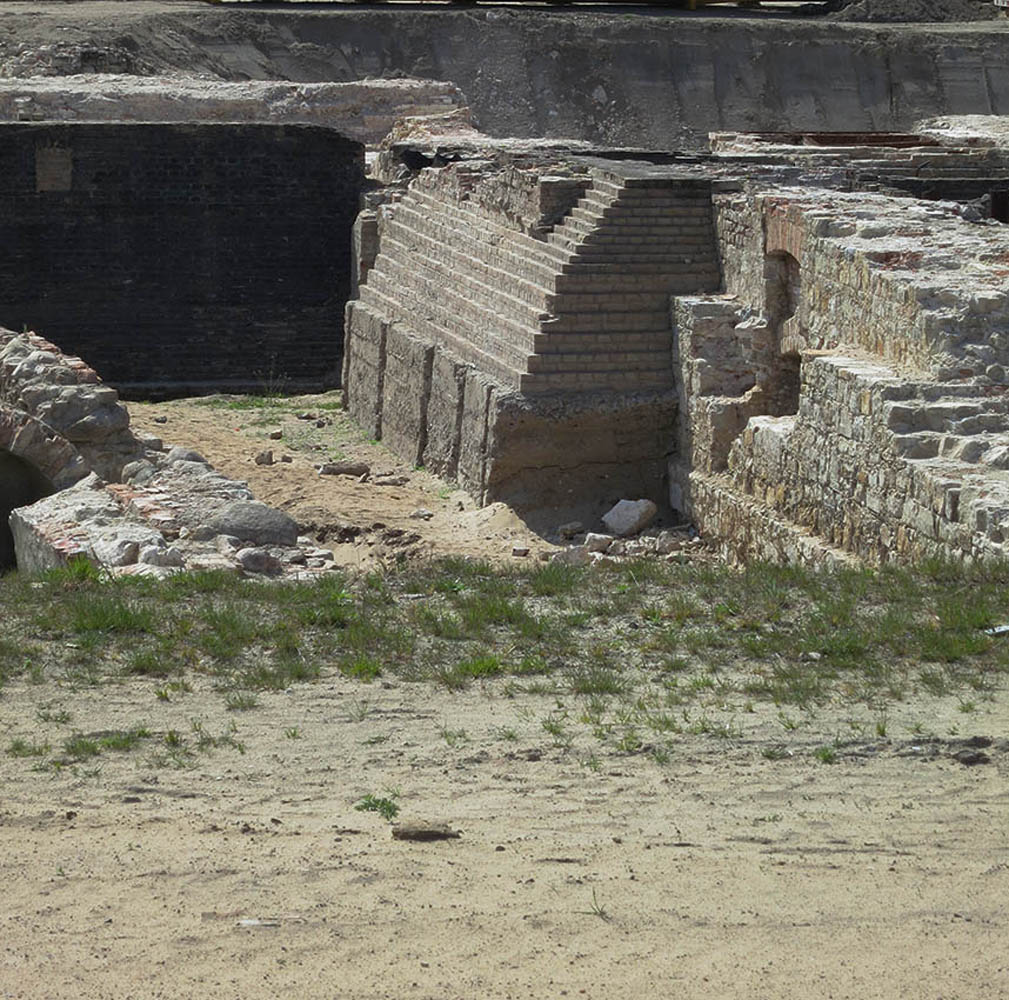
(784, 290)
(20, 484)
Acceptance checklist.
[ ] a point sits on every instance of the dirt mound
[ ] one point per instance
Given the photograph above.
(914, 10)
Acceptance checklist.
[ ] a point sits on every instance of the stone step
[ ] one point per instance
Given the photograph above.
(540, 383)
(991, 449)
(596, 361)
(963, 416)
(561, 342)
(430, 330)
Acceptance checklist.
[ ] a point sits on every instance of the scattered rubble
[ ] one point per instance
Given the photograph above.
(628, 517)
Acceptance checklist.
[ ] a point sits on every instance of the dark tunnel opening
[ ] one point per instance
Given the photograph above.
(20, 484)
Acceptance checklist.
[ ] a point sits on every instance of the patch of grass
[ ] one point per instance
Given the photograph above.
(23, 748)
(825, 755)
(240, 701)
(361, 668)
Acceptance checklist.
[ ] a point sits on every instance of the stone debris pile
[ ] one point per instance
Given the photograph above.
(124, 501)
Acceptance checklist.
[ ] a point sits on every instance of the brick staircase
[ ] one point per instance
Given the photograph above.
(587, 309)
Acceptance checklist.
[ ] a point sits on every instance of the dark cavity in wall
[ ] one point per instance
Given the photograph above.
(20, 484)
(180, 258)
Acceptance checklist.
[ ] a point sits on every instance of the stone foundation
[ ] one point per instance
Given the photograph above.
(810, 372)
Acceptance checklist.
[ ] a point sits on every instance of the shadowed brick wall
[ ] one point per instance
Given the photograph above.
(180, 257)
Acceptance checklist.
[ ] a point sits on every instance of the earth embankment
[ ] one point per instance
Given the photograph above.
(659, 80)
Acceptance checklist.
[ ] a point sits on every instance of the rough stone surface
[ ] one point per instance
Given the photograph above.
(628, 517)
(81, 424)
(255, 522)
(363, 110)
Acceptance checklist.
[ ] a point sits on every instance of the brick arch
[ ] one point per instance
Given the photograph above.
(27, 438)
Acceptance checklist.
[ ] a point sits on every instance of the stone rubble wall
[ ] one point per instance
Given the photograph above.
(85, 423)
(364, 110)
(912, 283)
(171, 512)
(895, 448)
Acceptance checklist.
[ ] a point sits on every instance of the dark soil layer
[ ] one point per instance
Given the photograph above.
(945, 11)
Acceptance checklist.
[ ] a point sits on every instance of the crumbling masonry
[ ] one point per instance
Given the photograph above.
(777, 338)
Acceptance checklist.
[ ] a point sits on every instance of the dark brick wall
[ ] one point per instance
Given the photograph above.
(206, 255)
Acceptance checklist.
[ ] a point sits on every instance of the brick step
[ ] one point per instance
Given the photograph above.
(616, 321)
(625, 186)
(707, 261)
(541, 383)
(616, 231)
(623, 218)
(615, 281)
(669, 238)
(514, 258)
(591, 267)
(595, 361)
(432, 331)
(537, 250)
(462, 266)
(601, 242)
(586, 301)
(561, 342)
(450, 310)
(489, 297)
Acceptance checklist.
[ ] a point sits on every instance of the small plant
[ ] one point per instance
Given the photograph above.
(596, 909)
(826, 755)
(775, 753)
(453, 737)
(241, 701)
(22, 748)
(386, 807)
(46, 714)
(293, 733)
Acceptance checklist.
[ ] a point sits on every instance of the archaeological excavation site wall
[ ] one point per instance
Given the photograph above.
(660, 81)
(181, 257)
(848, 394)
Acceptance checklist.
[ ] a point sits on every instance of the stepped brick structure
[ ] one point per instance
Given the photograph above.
(529, 359)
(776, 339)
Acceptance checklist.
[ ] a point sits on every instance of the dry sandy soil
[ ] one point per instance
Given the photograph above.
(580, 871)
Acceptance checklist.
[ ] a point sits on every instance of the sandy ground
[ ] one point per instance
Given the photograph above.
(718, 874)
(580, 871)
(364, 524)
